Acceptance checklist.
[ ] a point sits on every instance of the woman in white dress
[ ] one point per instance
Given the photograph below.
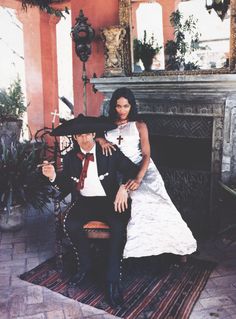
(155, 226)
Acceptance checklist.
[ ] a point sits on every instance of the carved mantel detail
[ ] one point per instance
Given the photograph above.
(232, 57)
(113, 37)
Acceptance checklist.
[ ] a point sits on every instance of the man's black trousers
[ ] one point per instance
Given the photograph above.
(102, 209)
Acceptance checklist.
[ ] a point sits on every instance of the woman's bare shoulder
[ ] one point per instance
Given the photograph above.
(141, 126)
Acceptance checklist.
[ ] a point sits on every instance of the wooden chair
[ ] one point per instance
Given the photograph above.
(95, 230)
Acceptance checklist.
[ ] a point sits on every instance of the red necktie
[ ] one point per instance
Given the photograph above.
(87, 157)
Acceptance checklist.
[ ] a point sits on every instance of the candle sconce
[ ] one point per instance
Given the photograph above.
(83, 34)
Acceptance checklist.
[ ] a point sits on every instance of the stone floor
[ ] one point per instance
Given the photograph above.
(23, 250)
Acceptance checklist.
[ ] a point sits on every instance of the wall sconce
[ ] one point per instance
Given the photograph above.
(83, 34)
(220, 6)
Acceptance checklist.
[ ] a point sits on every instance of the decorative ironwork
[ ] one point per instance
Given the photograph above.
(83, 34)
(57, 148)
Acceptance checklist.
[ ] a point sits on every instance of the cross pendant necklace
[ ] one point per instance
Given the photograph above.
(120, 127)
(119, 139)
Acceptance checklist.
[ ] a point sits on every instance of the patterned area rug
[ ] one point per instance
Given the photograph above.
(148, 292)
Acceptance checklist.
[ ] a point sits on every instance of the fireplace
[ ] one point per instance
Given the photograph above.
(181, 147)
(191, 121)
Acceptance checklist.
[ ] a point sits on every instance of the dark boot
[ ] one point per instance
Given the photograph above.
(114, 294)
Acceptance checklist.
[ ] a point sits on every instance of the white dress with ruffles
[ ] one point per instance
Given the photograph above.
(155, 226)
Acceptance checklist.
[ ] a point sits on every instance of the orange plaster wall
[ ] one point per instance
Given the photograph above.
(49, 66)
(168, 6)
(100, 13)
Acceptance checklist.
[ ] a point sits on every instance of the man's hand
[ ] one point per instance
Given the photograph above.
(121, 201)
(48, 170)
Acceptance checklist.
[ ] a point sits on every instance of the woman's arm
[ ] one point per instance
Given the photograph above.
(145, 148)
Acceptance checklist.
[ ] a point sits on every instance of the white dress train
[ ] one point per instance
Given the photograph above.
(155, 226)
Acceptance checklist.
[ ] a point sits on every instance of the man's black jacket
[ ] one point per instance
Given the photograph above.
(112, 164)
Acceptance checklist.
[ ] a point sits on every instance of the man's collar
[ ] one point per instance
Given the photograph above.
(93, 150)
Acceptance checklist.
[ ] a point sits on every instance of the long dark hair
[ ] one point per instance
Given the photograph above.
(127, 94)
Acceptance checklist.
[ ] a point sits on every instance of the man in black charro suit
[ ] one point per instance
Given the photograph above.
(92, 176)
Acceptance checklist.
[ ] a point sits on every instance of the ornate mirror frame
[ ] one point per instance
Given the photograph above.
(125, 21)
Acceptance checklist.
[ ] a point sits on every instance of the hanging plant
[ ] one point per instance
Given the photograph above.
(45, 5)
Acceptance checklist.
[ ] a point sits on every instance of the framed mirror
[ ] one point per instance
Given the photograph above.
(181, 36)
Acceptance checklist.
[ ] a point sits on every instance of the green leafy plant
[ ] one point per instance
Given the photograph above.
(186, 41)
(12, 102)
(145, 49)
(45, 5)
(21, 181)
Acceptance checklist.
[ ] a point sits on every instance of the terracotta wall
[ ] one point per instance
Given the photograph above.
(100, 13)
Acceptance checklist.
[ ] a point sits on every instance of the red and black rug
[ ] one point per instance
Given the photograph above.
(148, 292)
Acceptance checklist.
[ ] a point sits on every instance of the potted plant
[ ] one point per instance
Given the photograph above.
(22, 184)
(186, 41)
(12, 108)
(145, 50)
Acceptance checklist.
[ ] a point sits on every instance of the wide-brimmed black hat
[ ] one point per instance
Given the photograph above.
(83, 124)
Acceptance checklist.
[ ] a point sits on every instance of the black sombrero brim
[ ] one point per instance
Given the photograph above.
(83, 124)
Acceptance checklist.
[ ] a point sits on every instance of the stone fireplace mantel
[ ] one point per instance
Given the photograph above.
(209, 95)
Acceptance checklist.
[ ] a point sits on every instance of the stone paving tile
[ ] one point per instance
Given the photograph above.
(17, 305)
(214, 302)
(32, 262)
(198, 306)
(100, 317)
(5, 280)
(58, 314)
(19, 248)
(231, 310)
(34, 295)
(219, 292)
(17, 270)
(224, 281)
(210, 283)
(37, 316)
(207, 314)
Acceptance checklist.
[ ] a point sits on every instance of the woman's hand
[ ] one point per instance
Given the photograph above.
(133, 184)
(106, 146)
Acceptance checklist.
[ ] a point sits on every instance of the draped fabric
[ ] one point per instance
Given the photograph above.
(155, 226)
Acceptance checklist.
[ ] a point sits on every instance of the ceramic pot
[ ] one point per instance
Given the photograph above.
(14, 220)
(10, 131)
(147, 62)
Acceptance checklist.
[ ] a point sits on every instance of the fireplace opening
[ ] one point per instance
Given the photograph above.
(181, 152)
(181, 148)
(185, 166)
